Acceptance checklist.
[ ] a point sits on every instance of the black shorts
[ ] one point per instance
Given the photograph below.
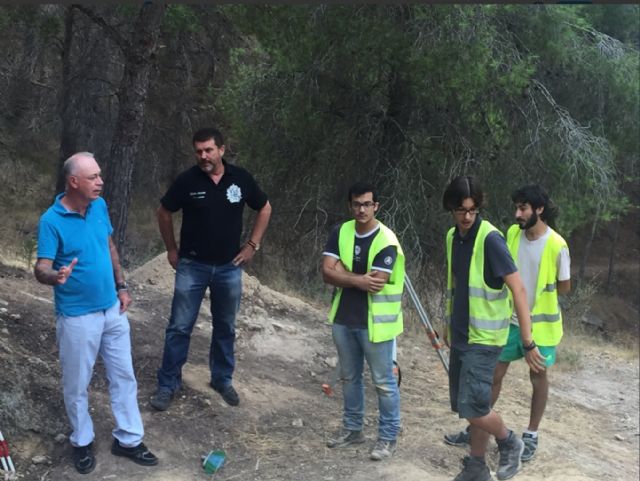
(470, 380)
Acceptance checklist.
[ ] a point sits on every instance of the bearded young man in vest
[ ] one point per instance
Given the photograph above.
(480, 275)
(364, 261)
(544, 263)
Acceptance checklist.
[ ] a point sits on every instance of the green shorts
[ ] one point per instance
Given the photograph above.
(513, 350)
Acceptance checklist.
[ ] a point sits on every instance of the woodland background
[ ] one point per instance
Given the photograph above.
(312, 98)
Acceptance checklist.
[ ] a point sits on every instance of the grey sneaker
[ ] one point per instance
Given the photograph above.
(510, 452)
(346, 438)
(161, 399)
(458, 439)
(383, 450)
(530, 446)
(473, 470)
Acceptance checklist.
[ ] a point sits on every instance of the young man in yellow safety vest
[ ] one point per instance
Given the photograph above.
(481, 275)
(364, 261)
(542, 257)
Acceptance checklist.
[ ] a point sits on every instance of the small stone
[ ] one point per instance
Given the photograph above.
(297, 423)
(60, 438)
(331, 361)
(277, 326)
(15, 316)
(40, 460)
(618, 437)
(3, 310)
(254, 327)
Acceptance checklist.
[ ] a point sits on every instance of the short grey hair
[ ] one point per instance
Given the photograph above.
(69, 166)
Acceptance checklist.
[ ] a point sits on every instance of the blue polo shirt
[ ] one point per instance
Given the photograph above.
(63, 235)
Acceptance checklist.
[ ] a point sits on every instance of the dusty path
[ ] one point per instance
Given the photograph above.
(590, 431)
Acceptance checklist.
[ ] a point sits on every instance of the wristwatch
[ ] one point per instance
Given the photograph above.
(530, 347)
(122, 286)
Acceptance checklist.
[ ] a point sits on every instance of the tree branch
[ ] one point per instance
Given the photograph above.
(111, 32)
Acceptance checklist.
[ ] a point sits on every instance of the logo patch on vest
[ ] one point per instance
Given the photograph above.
(388, 260)
(234, 194)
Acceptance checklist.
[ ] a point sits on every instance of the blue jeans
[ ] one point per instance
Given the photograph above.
(354, 347)
(225, 287)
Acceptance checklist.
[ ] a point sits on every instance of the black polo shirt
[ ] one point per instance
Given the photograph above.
(498, 263)
(212, 214)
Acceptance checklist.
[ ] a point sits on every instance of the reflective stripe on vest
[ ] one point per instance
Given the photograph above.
(488, 295)
(490, 325)
(384, 319)
(489, 310)
(386, 297)
(546, 318)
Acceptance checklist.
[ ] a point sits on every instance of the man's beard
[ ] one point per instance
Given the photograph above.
(531, 222)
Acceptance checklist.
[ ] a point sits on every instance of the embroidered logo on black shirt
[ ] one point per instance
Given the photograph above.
(234, 194)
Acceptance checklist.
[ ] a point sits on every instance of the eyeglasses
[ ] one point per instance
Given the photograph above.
(357, 205)
(461, 211)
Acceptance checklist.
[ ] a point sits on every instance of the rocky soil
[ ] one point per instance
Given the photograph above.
(590, 431)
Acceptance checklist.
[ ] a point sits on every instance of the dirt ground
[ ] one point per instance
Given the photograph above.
(284, 353)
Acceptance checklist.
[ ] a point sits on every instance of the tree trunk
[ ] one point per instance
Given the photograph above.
(587, 248)
(614, 246)
(132, 96)
(68, 134)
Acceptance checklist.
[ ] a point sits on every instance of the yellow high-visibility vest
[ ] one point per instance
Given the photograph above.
(489, 309)
(546, 318)
(384, 318)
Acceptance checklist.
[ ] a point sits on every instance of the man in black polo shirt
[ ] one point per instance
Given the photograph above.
(212, 195)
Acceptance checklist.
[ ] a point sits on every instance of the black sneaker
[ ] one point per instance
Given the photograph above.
(161, 399)
(83, 458)
(345, 438)
(458, 439)
(510, 452)
(138, 454)
(530, 446)
(229, 395)
(473, 469)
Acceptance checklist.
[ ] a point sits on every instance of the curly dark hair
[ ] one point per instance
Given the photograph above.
(536, 197)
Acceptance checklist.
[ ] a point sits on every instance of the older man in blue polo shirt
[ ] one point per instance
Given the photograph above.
(77, 256)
